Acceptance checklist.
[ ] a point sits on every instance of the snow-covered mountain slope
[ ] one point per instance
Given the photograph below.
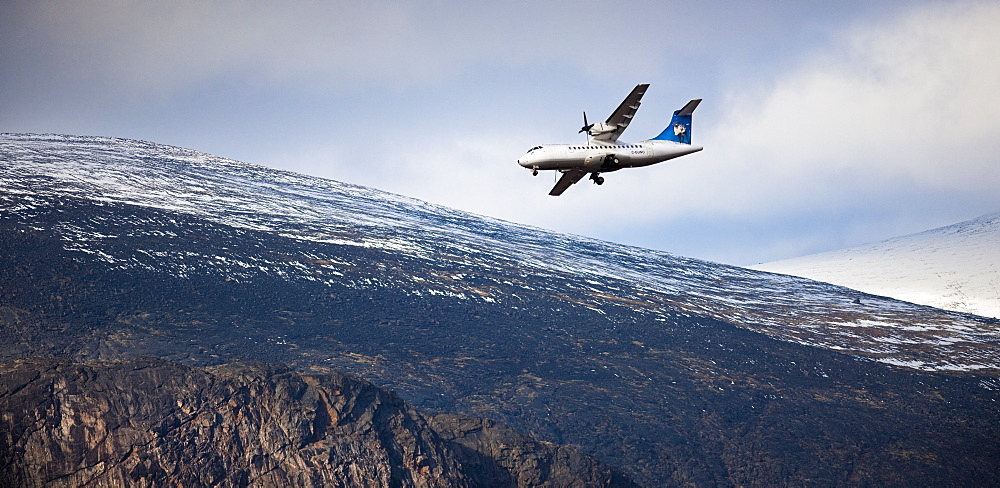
(678, 371)
(451, 253)
(956, 267)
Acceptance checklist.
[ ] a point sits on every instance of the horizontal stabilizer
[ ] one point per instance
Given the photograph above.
(689, 108)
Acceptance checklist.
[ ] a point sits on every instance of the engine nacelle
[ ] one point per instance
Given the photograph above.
(602, 128)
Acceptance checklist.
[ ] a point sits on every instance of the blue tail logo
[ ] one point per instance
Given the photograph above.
(679, 129)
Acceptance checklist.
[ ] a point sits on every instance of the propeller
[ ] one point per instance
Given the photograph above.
(586, 127)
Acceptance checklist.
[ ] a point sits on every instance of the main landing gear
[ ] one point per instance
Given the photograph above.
(610, 164)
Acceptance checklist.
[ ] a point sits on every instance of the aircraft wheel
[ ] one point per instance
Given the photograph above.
(534, 172)
(599, 180)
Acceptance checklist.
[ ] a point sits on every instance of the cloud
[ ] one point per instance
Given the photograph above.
(145, 46)
(908, 104)
(803, 120)
(893, 127)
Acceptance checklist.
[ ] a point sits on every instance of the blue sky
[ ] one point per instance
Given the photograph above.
(825, 124)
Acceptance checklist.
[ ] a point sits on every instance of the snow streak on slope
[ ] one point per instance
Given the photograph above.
(451, 253)
(956, 267)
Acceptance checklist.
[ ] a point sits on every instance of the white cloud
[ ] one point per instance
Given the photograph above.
(909, 104)
(150, 46)
(889, 113)
(891, 120)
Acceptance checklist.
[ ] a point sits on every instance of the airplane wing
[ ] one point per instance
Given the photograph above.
(567, 180)
(612, 128)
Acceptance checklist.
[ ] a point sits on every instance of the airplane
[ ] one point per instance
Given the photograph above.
(603, 153)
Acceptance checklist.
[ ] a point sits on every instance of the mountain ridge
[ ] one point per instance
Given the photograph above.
(677, 371)
(323, 211)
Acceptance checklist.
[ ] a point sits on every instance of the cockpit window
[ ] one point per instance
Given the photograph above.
(536, 147)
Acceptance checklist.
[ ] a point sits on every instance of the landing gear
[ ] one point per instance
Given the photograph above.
(534, 171)
(597, 178)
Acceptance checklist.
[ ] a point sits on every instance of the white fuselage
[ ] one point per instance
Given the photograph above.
(593, 156)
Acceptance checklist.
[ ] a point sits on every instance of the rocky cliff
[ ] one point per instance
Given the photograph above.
(155, 423)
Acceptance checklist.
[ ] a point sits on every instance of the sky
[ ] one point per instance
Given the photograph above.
(825, 124)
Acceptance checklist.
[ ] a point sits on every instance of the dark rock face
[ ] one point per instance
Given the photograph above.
(155, 423)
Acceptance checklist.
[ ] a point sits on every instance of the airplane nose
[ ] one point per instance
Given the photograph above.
(527, 161)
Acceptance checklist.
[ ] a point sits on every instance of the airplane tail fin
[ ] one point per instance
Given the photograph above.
(679, 129)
